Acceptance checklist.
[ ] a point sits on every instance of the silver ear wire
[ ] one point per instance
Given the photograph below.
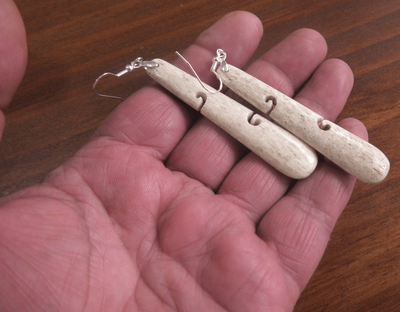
(105, 95)
(138, 63)
(221, 84)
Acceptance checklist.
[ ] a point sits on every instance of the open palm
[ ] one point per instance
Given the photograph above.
(162, 211)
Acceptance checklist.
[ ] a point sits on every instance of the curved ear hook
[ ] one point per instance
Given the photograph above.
(221, 84)
(128, 68)
(105, 95)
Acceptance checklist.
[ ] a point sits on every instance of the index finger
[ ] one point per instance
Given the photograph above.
(13, 54)
(13, 51)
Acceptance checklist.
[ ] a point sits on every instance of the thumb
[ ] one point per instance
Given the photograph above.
(13, 53)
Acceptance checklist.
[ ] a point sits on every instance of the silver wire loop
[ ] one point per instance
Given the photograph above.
(138, 63)
(219, 59)
(221, 84)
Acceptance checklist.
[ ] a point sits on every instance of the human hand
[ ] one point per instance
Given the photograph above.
(163, 211)
(13, 54)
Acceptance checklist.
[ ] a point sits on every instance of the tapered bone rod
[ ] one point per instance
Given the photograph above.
(351, 153)
(277, 146)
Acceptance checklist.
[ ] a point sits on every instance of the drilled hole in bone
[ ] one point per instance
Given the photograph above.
(254, 119)
(203, 96)
(323, 125)
(271, 101)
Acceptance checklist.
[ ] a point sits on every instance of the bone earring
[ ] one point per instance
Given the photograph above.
(351, 153)
(275, 145)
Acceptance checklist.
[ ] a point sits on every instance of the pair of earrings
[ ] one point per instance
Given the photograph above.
(287, 140)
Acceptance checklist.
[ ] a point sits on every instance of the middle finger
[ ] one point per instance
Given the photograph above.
(208, 154)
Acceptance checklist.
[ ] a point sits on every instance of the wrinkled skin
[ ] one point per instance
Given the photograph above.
(162, 211)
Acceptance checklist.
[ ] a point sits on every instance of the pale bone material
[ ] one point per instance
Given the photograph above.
(356, 156)
(275, 145)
